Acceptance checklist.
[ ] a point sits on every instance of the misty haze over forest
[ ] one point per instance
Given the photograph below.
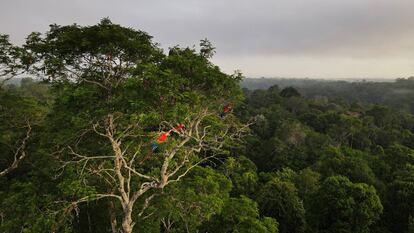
(330, 39)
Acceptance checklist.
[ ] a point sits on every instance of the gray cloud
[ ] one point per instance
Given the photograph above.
(286, 36)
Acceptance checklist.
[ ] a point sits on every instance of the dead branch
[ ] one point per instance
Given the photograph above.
(20, 152)
(121, 170)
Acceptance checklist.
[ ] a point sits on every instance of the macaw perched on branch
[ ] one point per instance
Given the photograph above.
(179, 127)
(177, 130)
(162, 138)
(155, 145)
(226, 110)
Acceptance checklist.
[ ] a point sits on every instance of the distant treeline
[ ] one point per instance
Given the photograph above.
(398, 94)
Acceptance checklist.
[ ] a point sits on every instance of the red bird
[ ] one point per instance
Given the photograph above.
(163, 137)
(226, 109)
(179, 127)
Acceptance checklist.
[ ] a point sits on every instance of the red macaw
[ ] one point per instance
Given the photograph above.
(227, 109)
(179, 127)
(163, 137)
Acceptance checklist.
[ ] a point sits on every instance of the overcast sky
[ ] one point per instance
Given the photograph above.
(285, 38)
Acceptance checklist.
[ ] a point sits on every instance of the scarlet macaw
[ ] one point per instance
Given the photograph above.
(162, 138)
(227, 109)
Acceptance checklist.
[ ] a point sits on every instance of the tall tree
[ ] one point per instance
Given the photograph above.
(116, 94)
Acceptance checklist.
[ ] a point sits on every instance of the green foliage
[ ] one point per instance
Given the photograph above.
(343, 206)
(207, 49)
(25, 209)
(12, 59)
(321, 157)
(240, 215)
(243, 175)
(399, 200)
(19, 116)
(397, 94)
(279, 199)
(346, 162)
(185, 205)
(289, 92)
(307, 182)
(399, 156)
(319, 137)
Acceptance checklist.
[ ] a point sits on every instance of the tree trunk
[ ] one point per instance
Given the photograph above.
(112, 217)
(127, 224)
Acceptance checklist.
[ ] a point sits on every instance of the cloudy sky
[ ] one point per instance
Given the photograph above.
(288, 38)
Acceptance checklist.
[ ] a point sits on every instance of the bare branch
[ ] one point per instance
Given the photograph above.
(189, 169)
(20, 153)
(146, 204)
(181, 155)
(125, 164)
